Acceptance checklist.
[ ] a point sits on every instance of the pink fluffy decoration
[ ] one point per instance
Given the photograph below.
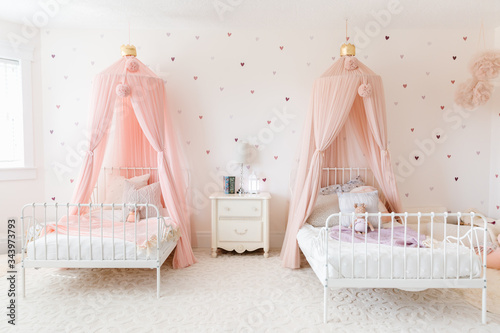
(464, 94)
(365, 90)
(482, 93)
(132, 65)
(486, 66)
(122, 90)
(473, 93)
(350, 63)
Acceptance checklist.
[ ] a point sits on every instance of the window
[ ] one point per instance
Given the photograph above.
(16, 117)
(11, 114)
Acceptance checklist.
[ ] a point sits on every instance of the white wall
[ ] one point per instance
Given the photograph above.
(14, 194)
(423, 60)
(494, 204)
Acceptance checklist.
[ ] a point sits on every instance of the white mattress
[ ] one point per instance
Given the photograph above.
(312, 246)
(97, 254)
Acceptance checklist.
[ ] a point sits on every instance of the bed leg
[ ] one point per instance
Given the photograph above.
(158, 281)
(23, 279)
(325, 304)
(483, 309)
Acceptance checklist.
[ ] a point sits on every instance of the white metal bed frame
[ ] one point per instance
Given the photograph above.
(162, 252)
(409, 283)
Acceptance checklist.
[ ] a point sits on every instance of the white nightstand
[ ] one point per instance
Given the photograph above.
(240, 222)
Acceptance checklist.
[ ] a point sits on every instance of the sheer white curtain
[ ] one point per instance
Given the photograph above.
(11, 114)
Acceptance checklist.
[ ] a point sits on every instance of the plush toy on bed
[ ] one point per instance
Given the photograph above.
(360, 222)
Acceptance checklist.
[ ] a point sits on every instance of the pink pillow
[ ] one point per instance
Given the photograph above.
(493, 259)
(381, 206)
(150, 194)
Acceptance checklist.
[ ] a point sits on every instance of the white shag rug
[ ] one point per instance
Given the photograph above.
(231, 293)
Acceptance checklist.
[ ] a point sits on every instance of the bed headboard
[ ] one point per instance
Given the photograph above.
(332, 176)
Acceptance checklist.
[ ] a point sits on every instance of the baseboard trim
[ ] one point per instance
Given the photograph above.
(204, 239)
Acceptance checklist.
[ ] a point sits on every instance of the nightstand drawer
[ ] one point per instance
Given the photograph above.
(240, 231)
(239, 208)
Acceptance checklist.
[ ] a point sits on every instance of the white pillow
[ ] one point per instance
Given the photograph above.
(381, 206)
(347, 201)
(150, 194)
(115, 187)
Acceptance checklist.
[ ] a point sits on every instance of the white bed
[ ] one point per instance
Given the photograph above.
(379, 264)
(103, 237)
(102, 249)
(442, 263)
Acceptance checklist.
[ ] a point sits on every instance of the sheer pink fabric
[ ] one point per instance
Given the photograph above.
(148, 101)
(337, 118)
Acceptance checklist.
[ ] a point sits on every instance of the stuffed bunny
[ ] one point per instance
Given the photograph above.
(360, 222)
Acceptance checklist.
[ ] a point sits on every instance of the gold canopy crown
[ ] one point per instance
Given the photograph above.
(347, 50)
(128, 50)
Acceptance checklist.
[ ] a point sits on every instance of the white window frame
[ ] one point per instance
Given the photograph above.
(24, 55)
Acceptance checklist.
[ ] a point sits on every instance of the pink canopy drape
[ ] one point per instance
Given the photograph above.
(337, 116)
(147, 98)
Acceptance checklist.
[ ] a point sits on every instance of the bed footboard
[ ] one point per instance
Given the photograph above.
(399, 255)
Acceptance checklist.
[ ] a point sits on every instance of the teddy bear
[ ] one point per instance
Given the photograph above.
(360, 222)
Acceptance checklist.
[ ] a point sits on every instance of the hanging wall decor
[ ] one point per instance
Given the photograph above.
(477, 91)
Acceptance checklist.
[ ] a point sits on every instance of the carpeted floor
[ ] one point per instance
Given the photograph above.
(231, 293)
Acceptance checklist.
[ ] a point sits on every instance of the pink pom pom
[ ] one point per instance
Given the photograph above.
(365, 90)
(473, 93)
(132, 65)
(122, 90)
(481, 93)
(350, 63)
(464, 95)
(486, 66)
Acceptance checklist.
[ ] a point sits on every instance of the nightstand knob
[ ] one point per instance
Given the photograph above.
(240, 233)
(228, 209)
(255, 209)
